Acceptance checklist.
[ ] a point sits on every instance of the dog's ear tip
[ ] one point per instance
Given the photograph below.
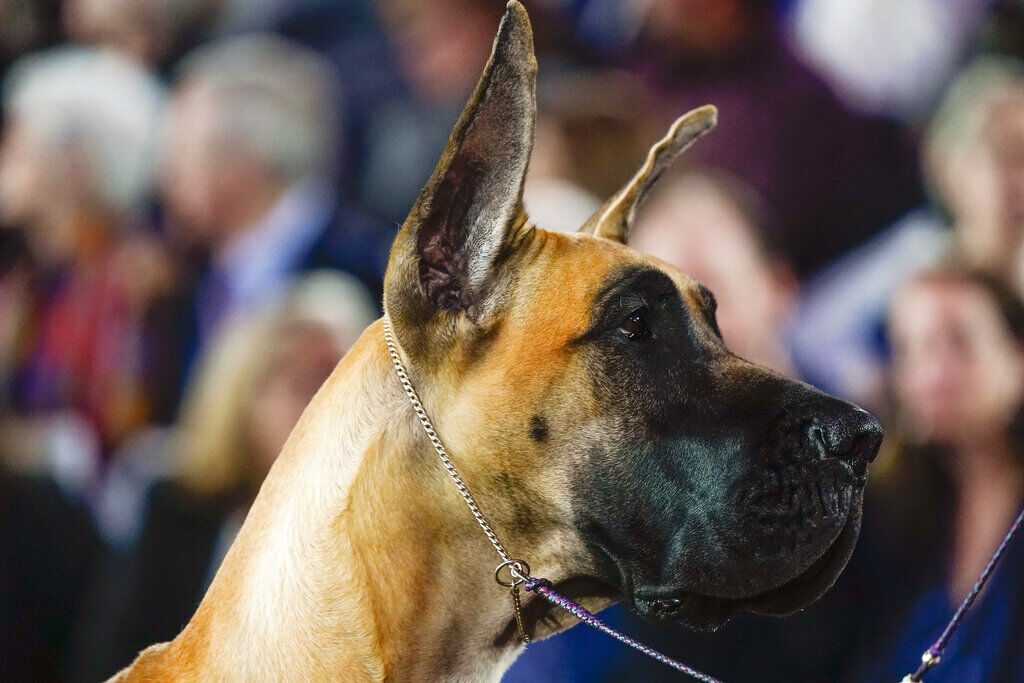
(514, 42)
(704, 118)
(517, 17)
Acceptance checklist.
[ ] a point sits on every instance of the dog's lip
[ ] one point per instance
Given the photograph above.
(814, 580)
(711, 611)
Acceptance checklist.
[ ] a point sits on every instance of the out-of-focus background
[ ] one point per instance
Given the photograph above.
(197, 198)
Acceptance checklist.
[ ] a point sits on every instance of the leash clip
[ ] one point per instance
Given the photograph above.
(928, 660)
(518, 572)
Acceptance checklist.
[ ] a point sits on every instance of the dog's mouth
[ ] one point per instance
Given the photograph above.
(709, 612)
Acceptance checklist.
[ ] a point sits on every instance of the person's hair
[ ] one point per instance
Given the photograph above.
(960, 118)
(1008, 304)
(211, 444)
(93, 103)
(274, 98)
(913, 482)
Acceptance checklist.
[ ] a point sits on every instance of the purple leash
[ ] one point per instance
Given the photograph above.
(933, 654)
(543, 588)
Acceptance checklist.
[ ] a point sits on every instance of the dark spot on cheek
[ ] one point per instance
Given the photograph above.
(538, 429)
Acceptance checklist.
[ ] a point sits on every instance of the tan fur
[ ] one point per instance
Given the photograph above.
(359, 561)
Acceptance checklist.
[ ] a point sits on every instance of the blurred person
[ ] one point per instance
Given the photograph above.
(153, 32)
(588, 138)
(252, 385)
(972, 154)
(974, 158)
(247, 177)
(888, 58)
(954, 482)
(550, 195)
(75, 179)
(349, 34)
(715, 229)
(833, 177)
(438, 48)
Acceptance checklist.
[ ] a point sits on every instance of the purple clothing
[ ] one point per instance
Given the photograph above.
(831, 177)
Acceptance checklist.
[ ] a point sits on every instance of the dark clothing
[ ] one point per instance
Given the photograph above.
(348, 241)
(47, 548)
(149, 596)
(353, 242)
(831, 177)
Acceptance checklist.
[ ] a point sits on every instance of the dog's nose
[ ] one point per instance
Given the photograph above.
(849, 433)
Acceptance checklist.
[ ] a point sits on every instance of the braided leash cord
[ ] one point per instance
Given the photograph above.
(543, 588)
(933, 654)
(518, 569)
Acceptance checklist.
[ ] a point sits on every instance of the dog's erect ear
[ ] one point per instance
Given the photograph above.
(614, 219)
(445, 253)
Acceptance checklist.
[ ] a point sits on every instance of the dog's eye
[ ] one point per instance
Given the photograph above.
(635, 326)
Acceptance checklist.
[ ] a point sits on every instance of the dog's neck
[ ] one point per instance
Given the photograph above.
(358, 559)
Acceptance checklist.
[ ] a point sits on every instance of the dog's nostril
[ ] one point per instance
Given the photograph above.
(855, 439)
(866, 437)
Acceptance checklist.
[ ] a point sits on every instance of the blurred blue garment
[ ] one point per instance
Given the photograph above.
(989, 644)
(581, 654)
(837, 337)
(254, 268)
(309, 229)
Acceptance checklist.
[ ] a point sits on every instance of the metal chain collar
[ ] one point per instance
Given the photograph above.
(428, 427)
(518, 570)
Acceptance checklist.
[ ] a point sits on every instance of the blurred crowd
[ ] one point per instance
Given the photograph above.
(197, 198)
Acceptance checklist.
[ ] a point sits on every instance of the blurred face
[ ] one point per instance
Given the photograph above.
(305, 358)
(23, 165)
(696, 28)
(37, 187)
(987, 194)
(189, 167)
(957, 371)
(441, 63)
(700, 232)
(213, 186)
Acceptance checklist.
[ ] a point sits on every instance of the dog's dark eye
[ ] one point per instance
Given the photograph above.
(635, 326)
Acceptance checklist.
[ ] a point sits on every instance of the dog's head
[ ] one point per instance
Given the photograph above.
(587, 395)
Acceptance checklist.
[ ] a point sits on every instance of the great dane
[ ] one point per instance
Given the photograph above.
(587, 397)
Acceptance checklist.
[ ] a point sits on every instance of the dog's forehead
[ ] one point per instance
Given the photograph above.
(564, 282)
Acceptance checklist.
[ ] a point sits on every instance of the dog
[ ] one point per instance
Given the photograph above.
(588, 399)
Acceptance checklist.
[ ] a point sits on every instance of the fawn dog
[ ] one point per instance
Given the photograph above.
(588, 398)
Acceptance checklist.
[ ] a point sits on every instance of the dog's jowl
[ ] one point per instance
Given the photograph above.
(589, 401)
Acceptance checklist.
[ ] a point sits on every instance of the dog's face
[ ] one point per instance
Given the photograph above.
(587, 395)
